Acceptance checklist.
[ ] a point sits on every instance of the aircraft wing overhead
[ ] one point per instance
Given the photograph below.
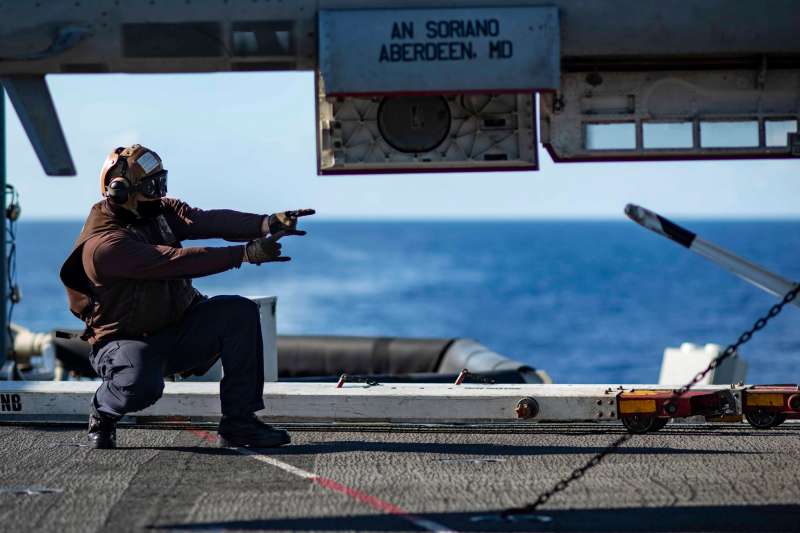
(415, 85)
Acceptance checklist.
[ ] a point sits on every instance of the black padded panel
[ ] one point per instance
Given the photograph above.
(300, 356)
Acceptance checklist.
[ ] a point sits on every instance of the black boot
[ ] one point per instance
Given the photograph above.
(102, 431)
(249, 431)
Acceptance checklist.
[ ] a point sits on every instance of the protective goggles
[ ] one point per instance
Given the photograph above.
(154, 186)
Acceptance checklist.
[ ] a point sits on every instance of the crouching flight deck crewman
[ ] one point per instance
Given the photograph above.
(129, 280)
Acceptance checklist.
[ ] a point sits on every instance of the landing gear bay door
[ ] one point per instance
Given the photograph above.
(432, 90)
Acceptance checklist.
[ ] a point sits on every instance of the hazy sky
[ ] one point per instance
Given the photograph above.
(246, 142)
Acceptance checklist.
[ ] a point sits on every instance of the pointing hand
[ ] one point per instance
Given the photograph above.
(265, 249)
(286, 221)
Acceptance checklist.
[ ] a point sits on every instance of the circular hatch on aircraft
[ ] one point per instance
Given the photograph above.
(414, 124)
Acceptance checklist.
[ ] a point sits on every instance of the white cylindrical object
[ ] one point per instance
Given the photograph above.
(747, 270)
(44, 364)
(27, 342)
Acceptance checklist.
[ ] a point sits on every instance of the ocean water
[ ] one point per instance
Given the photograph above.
(587, 301)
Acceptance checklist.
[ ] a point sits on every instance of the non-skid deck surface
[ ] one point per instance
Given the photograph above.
(685, 478)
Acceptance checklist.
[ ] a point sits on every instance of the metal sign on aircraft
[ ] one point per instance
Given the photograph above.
(376, 51)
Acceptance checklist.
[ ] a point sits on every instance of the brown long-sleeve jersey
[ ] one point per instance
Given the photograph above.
(130, 276)
(146, 250)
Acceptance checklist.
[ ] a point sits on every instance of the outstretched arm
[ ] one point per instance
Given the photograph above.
(122, 257)
(191, 223)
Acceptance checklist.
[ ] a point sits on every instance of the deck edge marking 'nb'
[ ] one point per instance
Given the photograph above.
(330, 484)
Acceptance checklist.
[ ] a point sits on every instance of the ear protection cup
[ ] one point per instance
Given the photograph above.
(118, 191)
(119, 182)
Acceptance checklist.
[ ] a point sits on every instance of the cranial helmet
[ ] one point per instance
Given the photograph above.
(130, 170)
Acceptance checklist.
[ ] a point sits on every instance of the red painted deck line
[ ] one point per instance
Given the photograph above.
(330, 484)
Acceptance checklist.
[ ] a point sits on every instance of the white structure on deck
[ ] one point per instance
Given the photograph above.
(681, 364)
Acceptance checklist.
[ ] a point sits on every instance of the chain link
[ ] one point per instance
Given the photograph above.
(594, 461)
(743, 338)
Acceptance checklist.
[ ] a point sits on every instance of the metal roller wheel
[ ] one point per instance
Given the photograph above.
(659, 424)
(639, 423)
(760, 419)
(781, 419)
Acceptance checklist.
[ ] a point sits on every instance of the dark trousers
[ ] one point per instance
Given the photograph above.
(228, 327)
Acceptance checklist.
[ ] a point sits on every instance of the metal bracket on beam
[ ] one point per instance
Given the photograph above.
(34, 106)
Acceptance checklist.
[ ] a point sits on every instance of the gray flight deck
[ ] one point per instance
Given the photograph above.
(684, 478)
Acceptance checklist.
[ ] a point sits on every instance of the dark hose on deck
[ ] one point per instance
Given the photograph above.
(327, 356)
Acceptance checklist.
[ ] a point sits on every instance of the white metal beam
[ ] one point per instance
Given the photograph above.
(315, 402)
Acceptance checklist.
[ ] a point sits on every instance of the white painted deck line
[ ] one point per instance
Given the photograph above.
(330, 484)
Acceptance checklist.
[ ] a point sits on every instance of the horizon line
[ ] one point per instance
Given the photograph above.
(491, 218)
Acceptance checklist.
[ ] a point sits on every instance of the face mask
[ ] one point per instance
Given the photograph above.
(149, 208)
